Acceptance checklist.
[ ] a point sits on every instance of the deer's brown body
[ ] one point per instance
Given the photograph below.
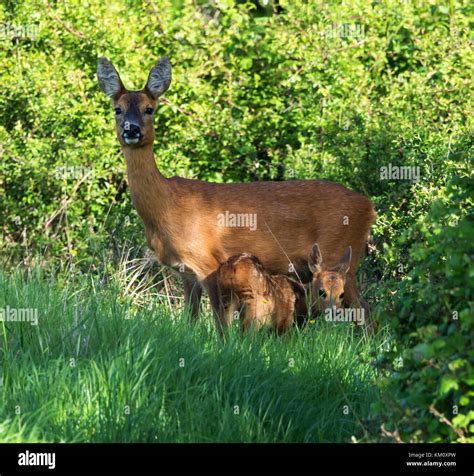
(262, 299)
(181, 216)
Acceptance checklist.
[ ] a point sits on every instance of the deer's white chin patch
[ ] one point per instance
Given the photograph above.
(130, 141)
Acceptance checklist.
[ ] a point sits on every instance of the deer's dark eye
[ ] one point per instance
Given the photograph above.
(341, 296)
(149, 110)
(118, 111)
(322, 293)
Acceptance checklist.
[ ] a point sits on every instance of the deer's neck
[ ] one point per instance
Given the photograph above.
(149, 189)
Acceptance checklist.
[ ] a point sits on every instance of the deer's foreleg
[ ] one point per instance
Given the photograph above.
(218, 307)
(192, 295)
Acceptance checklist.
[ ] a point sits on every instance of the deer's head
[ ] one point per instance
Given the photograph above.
(243, 272)
(134, 110)
(327, 286)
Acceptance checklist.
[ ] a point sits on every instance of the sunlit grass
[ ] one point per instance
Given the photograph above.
(98, 368)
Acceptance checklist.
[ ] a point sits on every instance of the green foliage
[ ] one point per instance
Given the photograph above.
(293, 89)
(432, 313)
(300, 91)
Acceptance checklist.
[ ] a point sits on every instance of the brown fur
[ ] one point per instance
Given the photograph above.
(181, 216)
(262, 299)
(329, 284)
(139, 101)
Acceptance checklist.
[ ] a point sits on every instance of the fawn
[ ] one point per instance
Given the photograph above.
(263, 299)
(327, 288)
(183, 217)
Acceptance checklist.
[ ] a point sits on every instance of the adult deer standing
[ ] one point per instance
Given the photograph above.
(183, 218)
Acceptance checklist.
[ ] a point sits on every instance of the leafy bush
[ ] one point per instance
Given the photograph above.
(277, 91)
(433, 315)
(294, 91)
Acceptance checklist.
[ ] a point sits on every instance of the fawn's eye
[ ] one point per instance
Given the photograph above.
(341, 296)
(322, 293)
(118, 111)
(149, 110)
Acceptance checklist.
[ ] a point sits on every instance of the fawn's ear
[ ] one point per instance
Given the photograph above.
(315, 259)
(159, 79)
(345, 263)
(109, 79)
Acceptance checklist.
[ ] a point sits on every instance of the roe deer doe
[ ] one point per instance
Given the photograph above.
(183, 218)
(262, 299)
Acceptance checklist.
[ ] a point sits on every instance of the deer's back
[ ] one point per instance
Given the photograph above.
(276, 221)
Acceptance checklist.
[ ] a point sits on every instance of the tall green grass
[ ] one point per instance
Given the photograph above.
(98, 369)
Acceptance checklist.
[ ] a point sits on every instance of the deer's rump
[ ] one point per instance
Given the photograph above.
(279, 221)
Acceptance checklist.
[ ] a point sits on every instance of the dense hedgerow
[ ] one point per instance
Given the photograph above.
(296, 89)
(432, 312)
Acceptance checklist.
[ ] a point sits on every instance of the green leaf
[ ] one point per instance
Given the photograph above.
(447, 384)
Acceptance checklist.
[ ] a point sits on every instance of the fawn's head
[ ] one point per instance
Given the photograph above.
(134, 110)
(244, 271)
(327, 286)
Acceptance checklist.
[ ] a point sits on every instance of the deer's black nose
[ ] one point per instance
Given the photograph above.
(132, 130)
(132, 133)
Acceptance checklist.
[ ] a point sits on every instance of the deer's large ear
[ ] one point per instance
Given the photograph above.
(345, 263)
(159, 79)
(315, 259)
(109, 79)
